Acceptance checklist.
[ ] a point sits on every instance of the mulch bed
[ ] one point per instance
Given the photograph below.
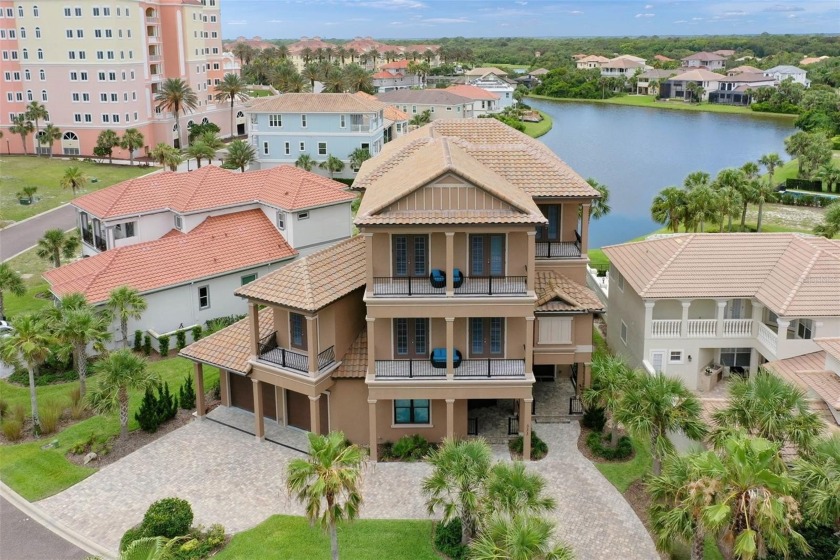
(586, 452)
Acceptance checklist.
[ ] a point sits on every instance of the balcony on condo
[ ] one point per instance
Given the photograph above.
(152, 16)
(154, 53)
(561, 237)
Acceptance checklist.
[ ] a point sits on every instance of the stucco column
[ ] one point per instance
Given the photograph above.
(529, 345)
(584, 228)
(254, 326)
(450, 263)
(686, 303)
(259, 421)
(374, 452)
(450, 418)
(369, 262)
(753, 361)
(450, 348)
(200, 407)
(315, 414)
(312, 345)
(649, 305)
(530, 267)
(525, 427)
(371, 349)
(721, 310)
(781, 337)
(757, 316)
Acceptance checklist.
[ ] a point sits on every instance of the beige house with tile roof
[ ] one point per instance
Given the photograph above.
(680, 303)
(463, 289)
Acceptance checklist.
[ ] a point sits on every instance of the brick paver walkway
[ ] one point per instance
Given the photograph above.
(230, 478)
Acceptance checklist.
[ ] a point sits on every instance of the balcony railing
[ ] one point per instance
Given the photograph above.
(665, 328)
(292, 359)
(99, 243)
(154, 58)
(404, 286)
(559, 249)
(87, 235)
(737, 327)
(152, 19)
(767, 337)
(701, 328)
(468, 369)
(493, 285)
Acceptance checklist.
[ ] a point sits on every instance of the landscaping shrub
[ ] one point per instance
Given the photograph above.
(147, 344)
(216, 390)
(201, 543)
(167, 404)
(78, 407)
(12, 429)
(448, 539)
(147, 415)
(186, 394)
(410, 448)
(598, 444)
(181, 339)
(133, 534)
(594, 419)
(50, 417)
(19, 412)
(54, 370)
(539, 448)
(138, 340)
(822, 540)
(163, 344)
(219, 323)
(4, 406)
(196, 333)
(169, 517)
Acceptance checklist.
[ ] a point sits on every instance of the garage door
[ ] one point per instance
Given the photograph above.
(297, 409)
(242, 395)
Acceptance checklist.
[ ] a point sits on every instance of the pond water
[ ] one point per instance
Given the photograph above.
(637, 151)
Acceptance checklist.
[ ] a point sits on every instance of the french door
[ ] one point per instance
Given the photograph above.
(411, 339)
(487, 337)
(487, 254)
(410, 255)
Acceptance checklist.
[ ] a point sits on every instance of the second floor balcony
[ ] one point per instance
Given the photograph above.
(293, 359)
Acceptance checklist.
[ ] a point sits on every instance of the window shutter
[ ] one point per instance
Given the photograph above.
(555, 330)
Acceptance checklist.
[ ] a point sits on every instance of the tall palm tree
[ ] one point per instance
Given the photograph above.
(829, 175)
(729, 184)
(513, 489)
(456, 483)
(37, 112)
(601, 205)
(212, 139)
(747, 188)
(357, 158)
(328, 482)
(199, 150)
(232, 88)
(818, 474)
(125, 303)
(831, 221)
(702, 205)
(56, 243)
(22, 126)
(517, 536)
(11, 282)
(668, 208)
(74, 178)
(80, 326)
(655, 405)
(305, 162)
(176, 95)
(332, 164)
(770, 162)
(696, 179)
(312, 73)
(611, 378)
(49, 135)
(30, 344)
(132, 140)
(240, 154)
(763, 192)
(120, 372)
(166, 155)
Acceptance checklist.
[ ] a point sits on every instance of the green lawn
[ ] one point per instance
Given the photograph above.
(45, 173)
(622, 475)
(37, 296)
(535, 130)
(291, 538)
(259, 93)
(650, 101)
(790, 170)
(35, 473)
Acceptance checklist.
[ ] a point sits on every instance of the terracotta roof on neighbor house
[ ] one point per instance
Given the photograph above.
(808, 372)
(210, 187)
(557, 292)
(390, 112)
(594, 58)
(792, 274)
(746, 77)
(697, 75)
(484, 70)
(623, 63)
(422, 97)
(313, 43)
(830, 345)
(365, 44)
(472, 92)
(744, 69)
(354, 363)
(314, 103)
(657, 74)
(520, 159)
(704, 57)
(256, 42)
(395, 65)
(314, 281)
(230, 348)
(386, 76)
(219, 245)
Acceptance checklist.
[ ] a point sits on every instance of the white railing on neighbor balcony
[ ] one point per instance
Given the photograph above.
(737, 327)
(767, 337)
(665, 328)
(701, 328)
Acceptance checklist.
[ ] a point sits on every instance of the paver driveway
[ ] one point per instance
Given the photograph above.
(230, 478)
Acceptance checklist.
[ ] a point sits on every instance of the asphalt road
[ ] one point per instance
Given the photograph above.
(22, 538)
(23, 235)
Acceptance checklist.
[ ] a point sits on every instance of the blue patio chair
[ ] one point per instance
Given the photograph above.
(437, 278)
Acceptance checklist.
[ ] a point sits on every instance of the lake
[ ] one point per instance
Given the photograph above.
(637, 151)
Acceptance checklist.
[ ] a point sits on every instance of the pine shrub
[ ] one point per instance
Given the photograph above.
(169, 517)
(598, 444)
(138, 340)
(181, 339)
(186, 394)
(167, 404)
(196, 333)
(163, 344)
(147, 414)
(147, 344)
(594, 419)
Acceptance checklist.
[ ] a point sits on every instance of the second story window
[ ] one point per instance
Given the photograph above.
(303, 121)
(342, 122)
(322, 148)
(281, 220)
(805, 328)
(126, 230)
(410, 255)
(297, 331)
(487, 255)
(204, 297)
(179, 222)
(275, 121)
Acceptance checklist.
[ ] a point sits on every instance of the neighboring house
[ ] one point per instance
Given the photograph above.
(676, 86)
(710, 61)
(682, 303)
(307, 49)
(649, 81)
(498, 85)
(784, 72)
(284, 127)
(622, 68)
(484, 71)
(735, 90)
(592, 61)
(638, 59)
(463, 290)
(440, 103)
(186, 240)
(484, 102)
(395, 75)
(745, 69)
(538, 74)
(395, 121)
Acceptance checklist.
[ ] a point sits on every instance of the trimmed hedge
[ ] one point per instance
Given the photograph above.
(169, 517)
(598, 444)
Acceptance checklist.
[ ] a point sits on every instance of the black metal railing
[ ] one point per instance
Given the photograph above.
(268, 343)
(326, 357)
(575, 406)
(513, 425)
(292, 359)
(574, 376)
(490, 368)
(87, 235)
(406, 286)
(99, 243)
(472, 426)
(407, 369)
(493, 285)
(470, 285)
(558, 249)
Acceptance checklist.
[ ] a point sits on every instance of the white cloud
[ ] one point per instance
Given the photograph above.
(575, 13)
(238, 22)
(736, 13)
(275, 21)
(792, 16)
(647, 15)
(446, 20)
(681, 21)
(697, 19)
(784, 8)
(649, 7)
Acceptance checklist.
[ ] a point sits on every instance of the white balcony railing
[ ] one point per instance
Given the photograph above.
(737, 327)
(767, 337)
(665, 328)
(701, 328)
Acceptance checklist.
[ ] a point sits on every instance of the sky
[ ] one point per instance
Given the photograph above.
(416, 19)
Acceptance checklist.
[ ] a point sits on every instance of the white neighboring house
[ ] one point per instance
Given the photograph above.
(484, 102)
(186, 241)
(622, 68)
(677, 86)
(395, 75)
(686, 304)
(497, 84)
(440, 103)
(710, 61)
(785, 72)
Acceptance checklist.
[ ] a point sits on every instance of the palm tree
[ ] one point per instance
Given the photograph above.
(510, 536)
(241, 51)
(611, 378)
(328, 482)
(23, 126)
(120, 372)
(770, 162)
(176, 95)
(29, 343)
(696, 179)
(729, 183)
(422, 118)
(668, 208)
(74, 178)
(240, 154)
(125, 303)
(357, 78)
(106, 142)
(357, 158)
(831, 222)
(600, 205)
(200, 150)
(829, 175)
(232, 88)
(211, 139)
(818, 474)
(36, 111)
(456, 484)
(49, 135)
(305, 162)
(656, 405)
(769, 407)
(56, 243)
(332, 164)
(763, 192)
(132, 140)
(702, 206)
(512, 489)
(312, 73)
(728, 203)
(166, 155)
(11, 282)
(747, 188)
(80, 327)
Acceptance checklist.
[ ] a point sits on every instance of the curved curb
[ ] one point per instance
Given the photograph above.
(36, 513)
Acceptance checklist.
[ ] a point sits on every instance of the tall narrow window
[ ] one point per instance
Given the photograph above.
(487, 255)
(297, 331)
(204, 297)
(487, 337)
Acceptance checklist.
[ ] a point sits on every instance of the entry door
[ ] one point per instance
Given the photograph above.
(411, 339)
(487, 337)
(657, 360)
(410, 255)
(550, 231)
(487, 255)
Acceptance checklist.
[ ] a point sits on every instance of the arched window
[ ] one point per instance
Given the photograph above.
(23, 33)
(42, 74)
(27, 75)
(25, 54)
(40, 54)
(205, 120)
(69, 135)
(29, 95)
(20, 11)
(34, 11)
(43, 95)
(37, 32)
(239, 114)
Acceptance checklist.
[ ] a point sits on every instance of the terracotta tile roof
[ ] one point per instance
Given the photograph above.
(314, 103)
(484, 70)
(725, 52)
(313, 43)
(538, 72)
(390, 112)
(431, 161)
(422, 97)
(830, 345)
(472, 92)
(365, 44)
(623, 63)
(594, 58)
(230, 348)
(385, 75)
(520, 159)
(704, 57)
(210, 187)
(354, 363)
(662, 58)
(808, 372)
(745, 69)
(315, 280)
(657, 74)
(219, 245)
(697, 75)
(792, 274)
(747, 77)
(556, 292)
(395, 65)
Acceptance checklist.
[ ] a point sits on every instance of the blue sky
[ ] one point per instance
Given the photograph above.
(404, 19)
